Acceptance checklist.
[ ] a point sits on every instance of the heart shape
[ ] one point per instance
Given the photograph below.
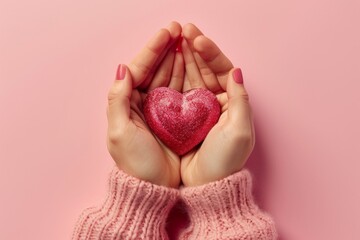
(181, 121)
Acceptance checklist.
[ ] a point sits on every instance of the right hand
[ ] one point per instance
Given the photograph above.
(229, 143)
(130, 142)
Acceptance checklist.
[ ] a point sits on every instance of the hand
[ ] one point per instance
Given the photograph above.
(230, 142)
(130, 142)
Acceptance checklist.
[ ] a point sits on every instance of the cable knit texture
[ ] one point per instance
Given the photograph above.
(225, 209)
(134, 209)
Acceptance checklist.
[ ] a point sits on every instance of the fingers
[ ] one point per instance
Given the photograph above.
(163, 72)
(239, 111)
(174, 29)
(144, 64)
(212, 63)
(223, 101)
(118, 111)
(193, 76)
(177, 77)
(215, 60)
(190, 32)
(171, 71)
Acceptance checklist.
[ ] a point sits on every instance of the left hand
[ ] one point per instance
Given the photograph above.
(130, 142)
(230, 142)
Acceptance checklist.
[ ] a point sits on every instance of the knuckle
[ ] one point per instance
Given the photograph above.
(246, 97)
(119, 135)
(112, 94)
(244, 138)
(115, 137)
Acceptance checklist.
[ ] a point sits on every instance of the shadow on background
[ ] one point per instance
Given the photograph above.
(258, 164)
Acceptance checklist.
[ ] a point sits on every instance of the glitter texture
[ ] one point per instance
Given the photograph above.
(181, 121)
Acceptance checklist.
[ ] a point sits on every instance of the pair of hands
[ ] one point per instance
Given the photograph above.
(200, 63)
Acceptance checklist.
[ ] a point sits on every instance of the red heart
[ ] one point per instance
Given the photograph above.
(181, 121)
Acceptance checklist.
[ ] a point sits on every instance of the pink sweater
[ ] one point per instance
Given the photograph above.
(135, 209)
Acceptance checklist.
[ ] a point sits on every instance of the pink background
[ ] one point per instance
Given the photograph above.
(301, 65)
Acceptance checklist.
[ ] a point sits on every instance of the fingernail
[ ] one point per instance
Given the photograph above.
(121, 71)
(237, 74)
(178, 44)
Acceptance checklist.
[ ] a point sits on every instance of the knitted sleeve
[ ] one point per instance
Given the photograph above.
(225, 209)
(134, 209)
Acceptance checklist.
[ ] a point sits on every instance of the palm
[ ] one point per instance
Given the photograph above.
(203, 164)
(158, 162)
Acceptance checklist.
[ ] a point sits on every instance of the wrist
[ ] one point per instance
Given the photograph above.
(154, 173)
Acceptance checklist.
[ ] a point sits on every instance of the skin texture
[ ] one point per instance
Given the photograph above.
(137, 151)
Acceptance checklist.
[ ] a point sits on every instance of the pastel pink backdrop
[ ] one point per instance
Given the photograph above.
(301, 66)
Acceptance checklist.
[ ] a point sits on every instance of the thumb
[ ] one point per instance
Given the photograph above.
(118, 111)
(239, 108)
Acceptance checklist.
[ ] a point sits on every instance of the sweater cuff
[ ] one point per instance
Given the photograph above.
(134, 209)
(225, 209)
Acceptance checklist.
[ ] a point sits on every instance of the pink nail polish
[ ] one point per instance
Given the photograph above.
(121, 71)
(237, 74)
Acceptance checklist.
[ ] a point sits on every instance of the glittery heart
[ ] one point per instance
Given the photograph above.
(181, 121)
